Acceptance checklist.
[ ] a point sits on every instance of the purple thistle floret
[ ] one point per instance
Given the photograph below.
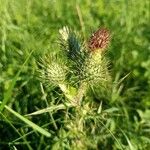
(99, 40)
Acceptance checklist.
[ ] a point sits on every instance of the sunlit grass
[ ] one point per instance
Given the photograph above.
(116, 119)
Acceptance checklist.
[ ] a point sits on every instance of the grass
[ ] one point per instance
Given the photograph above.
(116, 118)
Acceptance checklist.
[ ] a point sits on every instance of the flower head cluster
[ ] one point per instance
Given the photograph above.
(99, 40)
(78, 62)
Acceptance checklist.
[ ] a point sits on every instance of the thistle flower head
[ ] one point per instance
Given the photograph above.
(95, 67)
(64, 32)
(53, 70)
(95, 70)
(99, 40)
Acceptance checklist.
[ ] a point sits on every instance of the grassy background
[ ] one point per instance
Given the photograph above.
(32, 26)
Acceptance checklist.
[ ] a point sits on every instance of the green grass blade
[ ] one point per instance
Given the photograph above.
(8, 93)
(28, 122)
(50, 109)
(24, 139)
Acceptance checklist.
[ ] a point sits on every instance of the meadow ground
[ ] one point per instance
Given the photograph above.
(28, 30)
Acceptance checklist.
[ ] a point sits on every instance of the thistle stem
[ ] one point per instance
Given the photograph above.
(75, 100)
(80, 94)
(66, 91)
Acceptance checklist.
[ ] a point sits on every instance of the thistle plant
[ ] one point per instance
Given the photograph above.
(78, 67)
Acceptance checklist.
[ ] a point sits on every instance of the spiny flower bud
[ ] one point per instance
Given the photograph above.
(64, 32)
(95, 67)
(52, 70)
(99, 40)
(94, 70)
